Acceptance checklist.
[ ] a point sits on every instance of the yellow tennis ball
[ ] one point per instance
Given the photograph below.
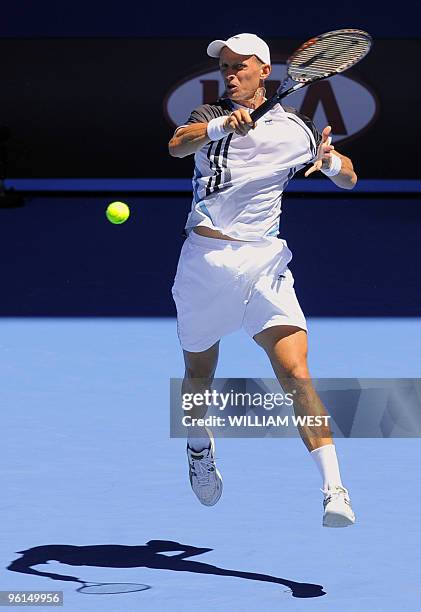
(117, 212)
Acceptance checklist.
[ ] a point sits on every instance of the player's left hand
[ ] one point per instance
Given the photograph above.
(324, 152)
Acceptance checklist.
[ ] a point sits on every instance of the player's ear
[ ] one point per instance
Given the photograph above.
(265, 71)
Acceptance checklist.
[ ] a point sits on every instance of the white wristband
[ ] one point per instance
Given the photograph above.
(335, 166)
(215, 129)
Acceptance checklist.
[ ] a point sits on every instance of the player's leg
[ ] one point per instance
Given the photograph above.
(211, 300)
(286, 347)
(198, 377)
(205, 479)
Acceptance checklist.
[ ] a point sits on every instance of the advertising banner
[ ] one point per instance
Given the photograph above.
(106, 108)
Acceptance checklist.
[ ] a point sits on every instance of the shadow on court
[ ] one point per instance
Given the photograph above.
(118, 556)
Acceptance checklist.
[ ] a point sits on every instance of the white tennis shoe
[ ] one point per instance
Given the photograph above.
(337, 508)
(205, 479)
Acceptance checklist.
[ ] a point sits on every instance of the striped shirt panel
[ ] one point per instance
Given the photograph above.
(239, 181)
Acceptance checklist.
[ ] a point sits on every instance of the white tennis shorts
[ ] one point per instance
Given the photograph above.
(224, 285)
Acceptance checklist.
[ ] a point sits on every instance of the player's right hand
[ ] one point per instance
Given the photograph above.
(239, 122)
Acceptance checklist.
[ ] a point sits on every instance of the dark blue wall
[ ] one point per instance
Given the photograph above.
(60, 257)
(49, 18)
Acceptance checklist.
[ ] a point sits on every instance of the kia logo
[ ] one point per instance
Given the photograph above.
(342, 102)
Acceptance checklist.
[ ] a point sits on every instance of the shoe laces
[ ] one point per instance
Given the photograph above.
(203, 469)
(334, 493)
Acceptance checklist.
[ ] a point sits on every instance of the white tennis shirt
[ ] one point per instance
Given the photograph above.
(238, 181)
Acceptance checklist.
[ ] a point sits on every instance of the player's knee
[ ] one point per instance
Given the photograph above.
(297, 370)
(201, 365)
(200, 372)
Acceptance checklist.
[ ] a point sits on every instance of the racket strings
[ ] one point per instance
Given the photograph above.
(328, 55)
(319, 58)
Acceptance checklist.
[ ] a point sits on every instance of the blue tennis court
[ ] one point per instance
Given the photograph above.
(92, 482)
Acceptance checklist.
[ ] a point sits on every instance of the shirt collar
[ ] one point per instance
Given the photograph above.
(233, 106)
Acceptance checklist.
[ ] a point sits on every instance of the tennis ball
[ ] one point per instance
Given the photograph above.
(117, 212)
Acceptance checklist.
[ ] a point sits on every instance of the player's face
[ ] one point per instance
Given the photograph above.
(241, 73)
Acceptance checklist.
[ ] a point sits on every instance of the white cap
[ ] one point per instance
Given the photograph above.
(243, 44)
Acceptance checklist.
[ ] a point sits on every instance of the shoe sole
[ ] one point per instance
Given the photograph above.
(334, 519)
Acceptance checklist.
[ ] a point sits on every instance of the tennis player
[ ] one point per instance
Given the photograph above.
(233, 269)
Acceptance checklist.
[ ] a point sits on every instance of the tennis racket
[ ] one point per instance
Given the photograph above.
(110, 588)
(320, 58)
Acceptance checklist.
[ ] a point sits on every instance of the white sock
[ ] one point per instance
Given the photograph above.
(198, 438)
(327, 462)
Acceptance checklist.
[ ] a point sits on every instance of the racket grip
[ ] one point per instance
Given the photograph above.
(264, 108)
(269, 104)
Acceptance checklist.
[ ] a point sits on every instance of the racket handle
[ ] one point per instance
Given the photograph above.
(265, 107)
(269, 104)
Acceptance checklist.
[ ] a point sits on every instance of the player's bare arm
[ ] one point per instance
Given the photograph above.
(347, 178)
(188, 139)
